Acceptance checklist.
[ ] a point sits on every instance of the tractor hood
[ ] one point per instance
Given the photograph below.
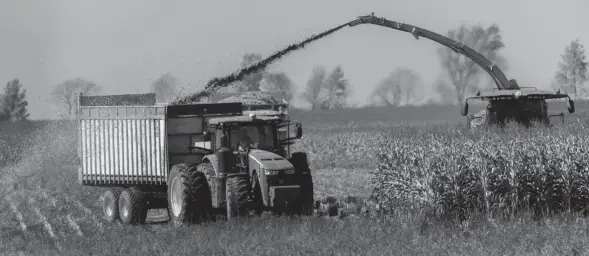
(269, 160)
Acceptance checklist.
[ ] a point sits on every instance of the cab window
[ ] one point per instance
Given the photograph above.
(248, 135)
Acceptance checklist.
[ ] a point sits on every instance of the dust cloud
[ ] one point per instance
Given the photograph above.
(32, 147)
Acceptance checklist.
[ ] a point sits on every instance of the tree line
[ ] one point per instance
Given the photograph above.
(328, 90)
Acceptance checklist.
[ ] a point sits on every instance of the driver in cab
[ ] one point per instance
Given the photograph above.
(244, 141)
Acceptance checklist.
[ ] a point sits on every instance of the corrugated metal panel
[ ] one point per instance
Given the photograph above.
(122, 151)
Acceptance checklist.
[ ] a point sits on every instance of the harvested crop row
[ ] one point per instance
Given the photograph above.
(19, 217)
(454, 172)
(87, 212)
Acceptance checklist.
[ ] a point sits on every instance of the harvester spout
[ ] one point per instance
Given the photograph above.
(498, 76)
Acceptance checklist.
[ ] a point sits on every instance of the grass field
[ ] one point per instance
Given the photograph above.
(44, 211)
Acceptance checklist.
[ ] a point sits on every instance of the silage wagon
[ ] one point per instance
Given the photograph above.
(194, 160)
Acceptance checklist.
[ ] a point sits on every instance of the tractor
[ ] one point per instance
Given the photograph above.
(247, 169)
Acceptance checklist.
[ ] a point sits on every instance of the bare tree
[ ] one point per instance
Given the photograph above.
(66, 93)
(278, 81)
(337, 89)
(572, 73)
(13, 105)
(165, 88)
(327, 92)
(262, 80)
(463, 72)
(312, 93)
(399, 87)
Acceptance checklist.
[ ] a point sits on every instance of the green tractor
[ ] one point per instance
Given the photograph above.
(246, 170)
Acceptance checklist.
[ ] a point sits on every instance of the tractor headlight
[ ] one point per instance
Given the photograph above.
(271, 172)
(277, 172)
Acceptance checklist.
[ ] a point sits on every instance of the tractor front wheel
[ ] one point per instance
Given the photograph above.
(258, 201)
(307, 201)
(238, 199)
(305, 178)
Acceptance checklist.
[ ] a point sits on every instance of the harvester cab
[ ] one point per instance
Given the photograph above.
(525, 106)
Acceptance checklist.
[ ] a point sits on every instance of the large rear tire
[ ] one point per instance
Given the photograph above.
(132, 206)
(110, 204)
(238, 196)
(189, 196)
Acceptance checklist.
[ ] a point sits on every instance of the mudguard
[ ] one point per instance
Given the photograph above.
(213, 160)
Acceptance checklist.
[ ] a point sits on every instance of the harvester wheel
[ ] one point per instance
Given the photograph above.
(238, 196)
(110, 204)
(132, 206)
(189, 195)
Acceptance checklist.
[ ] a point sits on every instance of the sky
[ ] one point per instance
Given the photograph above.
(123, 46)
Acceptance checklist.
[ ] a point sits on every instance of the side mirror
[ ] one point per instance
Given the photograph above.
(464, 110)
(571, 106)
(299, 131)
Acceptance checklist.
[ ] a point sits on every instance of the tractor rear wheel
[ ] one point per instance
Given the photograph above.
(238, 196)
(132, 206)
(110, 204)
(189, 195)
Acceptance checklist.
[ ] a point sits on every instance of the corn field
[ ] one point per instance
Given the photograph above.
(442, 169)
(414, 171)
(453, 172)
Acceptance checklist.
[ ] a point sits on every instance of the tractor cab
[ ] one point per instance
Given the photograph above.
(265, 132)
(523, 106)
